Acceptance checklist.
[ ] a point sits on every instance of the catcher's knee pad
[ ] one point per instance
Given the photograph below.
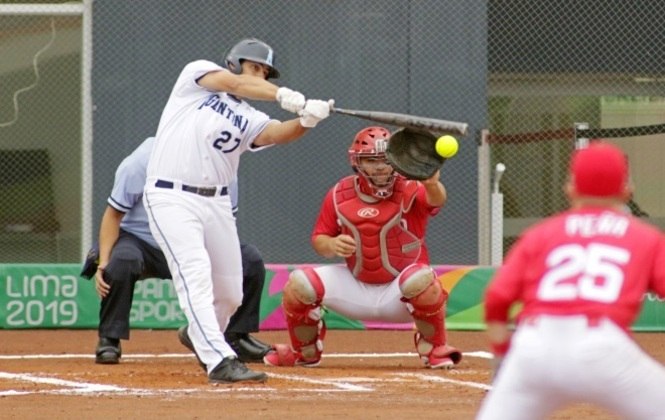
(301, 301)
(425, 299)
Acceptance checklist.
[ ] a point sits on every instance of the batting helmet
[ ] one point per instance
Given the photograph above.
(254, 50)
(371, 142)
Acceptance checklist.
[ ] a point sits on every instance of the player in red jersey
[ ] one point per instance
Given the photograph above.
(376, 220)
(581, 276)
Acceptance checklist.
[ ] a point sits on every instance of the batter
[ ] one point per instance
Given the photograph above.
(205, 126)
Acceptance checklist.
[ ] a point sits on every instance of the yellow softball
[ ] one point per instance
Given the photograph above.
(446, 146)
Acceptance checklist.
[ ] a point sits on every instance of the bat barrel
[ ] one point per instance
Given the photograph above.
(406, 120)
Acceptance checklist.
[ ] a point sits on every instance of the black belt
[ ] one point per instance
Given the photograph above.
(204, 191)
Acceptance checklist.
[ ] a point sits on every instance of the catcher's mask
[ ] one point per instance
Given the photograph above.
(371, 143)
(254, 50)
(412, 153)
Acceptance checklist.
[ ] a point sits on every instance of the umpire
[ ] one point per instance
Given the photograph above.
(127, 253)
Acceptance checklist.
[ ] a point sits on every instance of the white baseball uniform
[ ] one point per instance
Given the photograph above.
(200, 138)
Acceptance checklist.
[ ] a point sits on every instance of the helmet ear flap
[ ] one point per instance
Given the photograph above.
(231, 62)
(234, 66)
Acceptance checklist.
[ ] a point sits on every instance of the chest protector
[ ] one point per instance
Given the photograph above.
(384, 245)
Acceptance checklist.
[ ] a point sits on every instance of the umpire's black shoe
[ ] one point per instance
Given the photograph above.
(183, 336)
(231, 370)
(249, 349)
(108, 351)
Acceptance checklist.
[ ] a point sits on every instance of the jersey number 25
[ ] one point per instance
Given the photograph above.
(592, 273)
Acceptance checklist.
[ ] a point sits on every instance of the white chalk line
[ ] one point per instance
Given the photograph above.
(479, 354)
(443, 379)
(355, 384)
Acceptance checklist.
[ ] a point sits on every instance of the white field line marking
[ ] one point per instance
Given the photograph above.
(92, 356)
(81, 386)
(248, 392)
(85, 387)
(479, 354)
(337, 383)
(141, 392)
(444, 379)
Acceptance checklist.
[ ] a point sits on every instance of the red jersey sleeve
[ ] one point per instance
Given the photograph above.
(506, 285)
(421, 206)
(326, 222)
(657, 280)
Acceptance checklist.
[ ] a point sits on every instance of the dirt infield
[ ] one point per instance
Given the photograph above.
(52, 374)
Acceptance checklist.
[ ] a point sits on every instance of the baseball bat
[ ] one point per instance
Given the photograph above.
(406, 120)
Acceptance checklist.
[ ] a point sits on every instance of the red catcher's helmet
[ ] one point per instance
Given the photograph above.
(371, 142)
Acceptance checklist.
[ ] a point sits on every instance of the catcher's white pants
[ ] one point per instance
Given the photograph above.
(361, 301)
(554, 361)
(199, 239)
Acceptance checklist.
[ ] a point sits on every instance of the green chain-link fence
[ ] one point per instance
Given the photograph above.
(524, 70)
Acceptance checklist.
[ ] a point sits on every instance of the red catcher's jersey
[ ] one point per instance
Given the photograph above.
(371, 241)
(591, 261)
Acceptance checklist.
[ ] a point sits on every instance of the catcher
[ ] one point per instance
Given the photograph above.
(376, 220)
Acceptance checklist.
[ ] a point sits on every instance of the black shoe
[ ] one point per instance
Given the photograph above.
(183, 336)
(248, 348)
(231, 370)
(108, 351)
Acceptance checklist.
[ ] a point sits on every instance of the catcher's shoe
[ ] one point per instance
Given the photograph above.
(439, 357)
(231, 370)
(249, 349)
(442, 357)
(183, 336)
(284, 355)
(108, 351)
(438, 363)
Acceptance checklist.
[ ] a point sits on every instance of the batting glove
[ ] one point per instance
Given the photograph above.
(315, 110)
(290, 100)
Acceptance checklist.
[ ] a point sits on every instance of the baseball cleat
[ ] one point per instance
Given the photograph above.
(283, 355)
(249, 349)
(438, 363)
(231, 370)
(183, 336)
(442, 357)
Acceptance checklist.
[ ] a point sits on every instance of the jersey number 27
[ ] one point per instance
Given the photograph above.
(222, 142)
(592, 273)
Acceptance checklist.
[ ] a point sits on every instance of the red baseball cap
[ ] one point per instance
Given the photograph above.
(600, 170)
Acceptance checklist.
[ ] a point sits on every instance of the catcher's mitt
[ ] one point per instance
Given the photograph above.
(411, 152)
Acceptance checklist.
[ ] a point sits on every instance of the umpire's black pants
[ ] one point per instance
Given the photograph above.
(133, 259)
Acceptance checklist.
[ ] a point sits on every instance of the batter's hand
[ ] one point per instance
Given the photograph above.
(101, 286)
(344, 246)
(315, 111)
(290, 100)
